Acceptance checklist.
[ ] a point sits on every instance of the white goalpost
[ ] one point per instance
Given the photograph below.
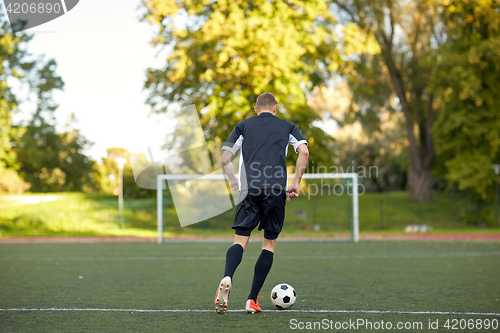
(161, 178)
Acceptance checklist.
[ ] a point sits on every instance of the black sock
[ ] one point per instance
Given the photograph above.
(262, 268)
(233, 259)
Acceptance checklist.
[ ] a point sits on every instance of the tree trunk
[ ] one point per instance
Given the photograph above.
(420, 183)
(422, 150)
(419, 172)
(422, 154)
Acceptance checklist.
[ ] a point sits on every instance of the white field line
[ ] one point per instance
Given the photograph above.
(321, 257)
(279, 311)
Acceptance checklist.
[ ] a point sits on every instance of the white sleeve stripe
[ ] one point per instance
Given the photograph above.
(239, 142)
(295, 143)
(301, 142)
(232, 150)
(237, 145)
(240, 173)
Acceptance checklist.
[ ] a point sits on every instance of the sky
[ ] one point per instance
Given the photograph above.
(102, 52)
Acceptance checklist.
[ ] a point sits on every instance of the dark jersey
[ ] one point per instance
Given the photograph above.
(263, 140)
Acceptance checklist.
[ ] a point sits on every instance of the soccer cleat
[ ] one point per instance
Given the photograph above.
(222, 295)
(252, 307)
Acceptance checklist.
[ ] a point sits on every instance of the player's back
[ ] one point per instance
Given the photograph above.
(264, 142)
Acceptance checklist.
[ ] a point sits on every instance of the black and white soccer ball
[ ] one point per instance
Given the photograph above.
(283, 296)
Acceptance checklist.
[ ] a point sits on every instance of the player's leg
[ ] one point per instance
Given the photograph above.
(269, 244)
(261, 270)
(246, 219)
(233, 258)
(235, 253)
(272, 218)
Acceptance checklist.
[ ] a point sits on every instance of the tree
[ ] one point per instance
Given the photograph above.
(467, 126)
(371, 143)
(407, 33)
(105, 175)
(51, 161)
(48, 160)
(226, 53)
(14, 66)
(54, 161)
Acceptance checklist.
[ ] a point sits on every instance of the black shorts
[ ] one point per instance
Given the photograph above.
(264, 206)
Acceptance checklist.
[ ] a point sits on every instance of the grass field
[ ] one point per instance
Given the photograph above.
(445, 280)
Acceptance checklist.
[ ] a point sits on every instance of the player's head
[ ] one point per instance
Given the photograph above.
(266, 102)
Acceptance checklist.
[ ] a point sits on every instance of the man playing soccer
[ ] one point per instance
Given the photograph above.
(264, 141)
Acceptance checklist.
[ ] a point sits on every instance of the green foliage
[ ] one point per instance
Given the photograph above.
(105, 176)
(12, 66)
(405, 33)
(226, 53)
(372, 140)
(34, 151)
(440, 58)
(467, 126)
(54, 161)
(48, 161)
(11, 182)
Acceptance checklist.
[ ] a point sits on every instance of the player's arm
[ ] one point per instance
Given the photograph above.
(300, 168)
(230, 147)
(228, 168)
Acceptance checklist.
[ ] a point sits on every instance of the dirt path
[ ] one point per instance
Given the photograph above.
(374, 236)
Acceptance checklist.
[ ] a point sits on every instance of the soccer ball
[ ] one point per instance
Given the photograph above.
(283, 296)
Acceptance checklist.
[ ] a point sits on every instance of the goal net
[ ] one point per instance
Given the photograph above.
(327, 205)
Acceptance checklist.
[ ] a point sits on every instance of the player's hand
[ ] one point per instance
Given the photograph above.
(233, 184)
(293, 191)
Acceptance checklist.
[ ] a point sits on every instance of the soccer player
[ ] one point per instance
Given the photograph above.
(264, 141)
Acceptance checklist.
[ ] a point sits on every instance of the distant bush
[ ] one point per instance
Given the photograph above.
(10, 182)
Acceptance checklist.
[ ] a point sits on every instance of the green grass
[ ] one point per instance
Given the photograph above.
(77, 214)
(81, 214)
(385, 276)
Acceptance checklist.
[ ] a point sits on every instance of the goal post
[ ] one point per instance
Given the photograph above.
(354, 223)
